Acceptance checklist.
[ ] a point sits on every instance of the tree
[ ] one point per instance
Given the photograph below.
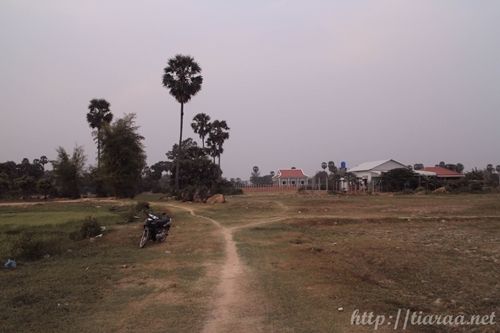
(43, 160)
(201, 126)
(123, 156)
(45, 187)
(459, 167)
(99, 115)
(68, 171)
(197, 174)
(398, 180)
(219, 133)
(183, 81)
(332, 167)
(255, 175)
(4, 184)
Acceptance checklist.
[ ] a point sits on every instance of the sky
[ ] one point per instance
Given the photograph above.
(298, 82)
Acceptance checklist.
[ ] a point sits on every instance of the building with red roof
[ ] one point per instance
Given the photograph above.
(440, 172)
(290, 177)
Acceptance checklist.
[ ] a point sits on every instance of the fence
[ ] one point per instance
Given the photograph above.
(352, 188)
(267, 188)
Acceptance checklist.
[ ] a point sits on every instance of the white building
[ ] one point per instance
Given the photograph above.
(369, 171)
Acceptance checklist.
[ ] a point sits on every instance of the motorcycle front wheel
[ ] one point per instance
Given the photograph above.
(144, 238)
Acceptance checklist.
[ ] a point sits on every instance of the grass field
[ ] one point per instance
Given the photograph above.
(297, 260)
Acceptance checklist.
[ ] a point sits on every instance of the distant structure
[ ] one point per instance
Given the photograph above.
(443, 173)
(369, 171)
(290, 177)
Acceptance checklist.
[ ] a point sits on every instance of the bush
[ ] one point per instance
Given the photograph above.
(28, 248)
(134, 212)
(142, 206)
(90, 228)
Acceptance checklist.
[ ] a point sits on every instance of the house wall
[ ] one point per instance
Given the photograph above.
(289, 181)
(364, 175)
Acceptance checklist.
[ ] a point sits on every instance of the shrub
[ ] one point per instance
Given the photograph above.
(142, 206)
(134, 212)
(90, 228)
(29, 248)
(131, 215)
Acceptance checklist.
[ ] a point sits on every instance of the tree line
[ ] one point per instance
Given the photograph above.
(190, 172)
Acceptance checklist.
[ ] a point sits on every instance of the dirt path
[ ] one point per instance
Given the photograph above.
(236, 307)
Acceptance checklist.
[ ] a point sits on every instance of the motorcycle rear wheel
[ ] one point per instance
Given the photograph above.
(144, 238)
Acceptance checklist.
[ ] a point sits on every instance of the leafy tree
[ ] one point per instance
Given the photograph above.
(4, 184)
(183, 81)
(123, 156)
(320, 177)
(159, 168)
(68, 171)
(197, 172)
(459, 167)
(99, 115)
(26, 184)
(45, 187)
(219, 133)
(398, 180)
(201, 126)
(156, 178)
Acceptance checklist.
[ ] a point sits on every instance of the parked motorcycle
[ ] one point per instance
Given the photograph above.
(155, 228)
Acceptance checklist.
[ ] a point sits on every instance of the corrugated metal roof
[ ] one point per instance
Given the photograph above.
(424, 173)
(368, 165)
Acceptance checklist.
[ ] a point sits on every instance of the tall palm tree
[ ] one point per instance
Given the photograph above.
(201, 126)
(183, 81)
(98, 116)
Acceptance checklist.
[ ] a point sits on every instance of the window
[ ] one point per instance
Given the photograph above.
(301, 182)
(293, 182)
(284, 182)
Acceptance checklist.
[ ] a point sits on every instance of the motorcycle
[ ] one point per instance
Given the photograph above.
(155, 228)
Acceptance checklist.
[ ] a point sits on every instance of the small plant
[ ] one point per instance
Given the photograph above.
(90, 228)
(142, 206)
(29, 248)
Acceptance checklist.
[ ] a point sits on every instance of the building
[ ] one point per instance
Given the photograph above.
(370, 171)
(443, 173)
(290, 177)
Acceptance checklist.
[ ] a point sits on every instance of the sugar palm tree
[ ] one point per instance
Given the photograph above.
(182, 79)
(201, 126)
(98, 116)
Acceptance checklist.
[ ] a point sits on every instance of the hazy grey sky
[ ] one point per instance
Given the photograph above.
(299, 82)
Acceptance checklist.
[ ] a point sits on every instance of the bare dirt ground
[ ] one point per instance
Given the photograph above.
(292, 263)
(237, 307)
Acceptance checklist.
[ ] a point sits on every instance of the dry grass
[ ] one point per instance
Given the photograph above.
(110, 285)
(436, 253)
